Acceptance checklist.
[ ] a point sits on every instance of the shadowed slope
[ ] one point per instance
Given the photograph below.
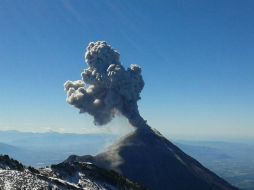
(145, 156)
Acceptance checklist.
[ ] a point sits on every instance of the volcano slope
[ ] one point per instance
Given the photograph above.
(146, 157)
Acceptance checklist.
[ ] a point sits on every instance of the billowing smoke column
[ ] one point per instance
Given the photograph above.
(107, 87)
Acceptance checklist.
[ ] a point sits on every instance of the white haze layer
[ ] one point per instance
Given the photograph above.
(107, 88)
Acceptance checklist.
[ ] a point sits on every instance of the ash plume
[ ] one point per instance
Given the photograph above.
(107, 88)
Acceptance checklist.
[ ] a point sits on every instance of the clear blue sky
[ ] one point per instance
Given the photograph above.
(197, 58)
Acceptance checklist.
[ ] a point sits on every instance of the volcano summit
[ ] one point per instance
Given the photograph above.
(144, 156)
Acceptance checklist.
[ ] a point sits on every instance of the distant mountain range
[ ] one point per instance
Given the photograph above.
(41, 149)
(8, 149)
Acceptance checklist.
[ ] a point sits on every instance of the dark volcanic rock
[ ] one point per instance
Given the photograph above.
(146, 157)
(8, 163)
(63, 176)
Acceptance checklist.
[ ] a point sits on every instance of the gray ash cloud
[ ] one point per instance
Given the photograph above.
(106, 88)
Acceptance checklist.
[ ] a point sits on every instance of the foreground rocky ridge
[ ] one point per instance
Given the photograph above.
(63, 176)
(145, 156)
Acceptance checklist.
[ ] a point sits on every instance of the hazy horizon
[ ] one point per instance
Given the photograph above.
(171, 136)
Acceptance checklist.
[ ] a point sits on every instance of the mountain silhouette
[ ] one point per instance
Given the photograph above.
(146, 157)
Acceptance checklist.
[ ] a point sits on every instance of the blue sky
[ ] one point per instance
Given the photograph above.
(197, 58)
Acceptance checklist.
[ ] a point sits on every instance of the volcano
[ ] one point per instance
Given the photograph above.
(146, 157)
